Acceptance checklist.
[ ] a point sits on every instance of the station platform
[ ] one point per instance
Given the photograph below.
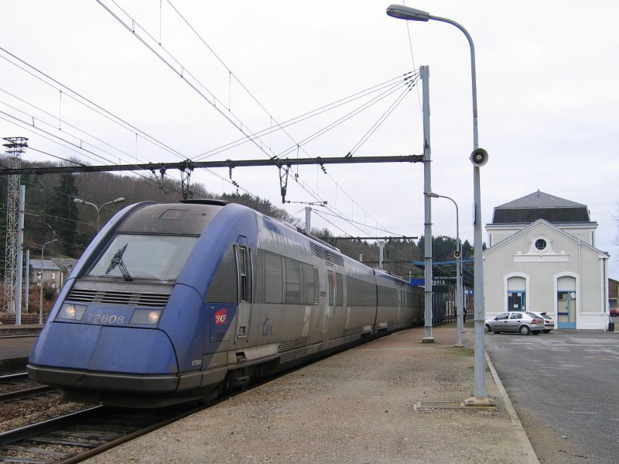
(393, 400)
(16, 342)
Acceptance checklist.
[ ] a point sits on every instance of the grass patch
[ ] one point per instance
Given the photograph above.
(464, 351)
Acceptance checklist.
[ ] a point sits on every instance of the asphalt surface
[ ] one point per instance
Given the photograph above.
(566, 380)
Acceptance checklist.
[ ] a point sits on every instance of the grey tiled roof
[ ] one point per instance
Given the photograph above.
(540, 205)
(48, 265)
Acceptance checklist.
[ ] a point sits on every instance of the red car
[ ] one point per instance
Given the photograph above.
(614, 312)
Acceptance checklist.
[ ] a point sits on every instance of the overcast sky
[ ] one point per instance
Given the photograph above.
(547, 97)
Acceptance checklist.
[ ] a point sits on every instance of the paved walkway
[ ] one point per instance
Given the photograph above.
(394, 400)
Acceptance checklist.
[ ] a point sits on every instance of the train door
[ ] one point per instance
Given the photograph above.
(401, 302)
(334, 317)
(327, 317)
(244, 285)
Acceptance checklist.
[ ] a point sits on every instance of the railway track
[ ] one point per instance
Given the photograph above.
(17, 387)
(78, 436)
(13, 377)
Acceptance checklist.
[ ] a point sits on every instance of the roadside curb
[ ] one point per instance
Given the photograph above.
(522, 435)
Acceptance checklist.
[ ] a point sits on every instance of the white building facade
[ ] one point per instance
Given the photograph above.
(542, 257)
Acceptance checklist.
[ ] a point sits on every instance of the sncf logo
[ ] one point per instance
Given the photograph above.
(221, 317)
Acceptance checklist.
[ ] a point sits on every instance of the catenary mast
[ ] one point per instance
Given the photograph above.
(15, 147)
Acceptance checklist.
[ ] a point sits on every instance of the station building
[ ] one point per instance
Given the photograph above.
(542, 256)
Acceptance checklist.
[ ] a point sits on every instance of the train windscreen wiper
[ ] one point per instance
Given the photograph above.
(117, 260)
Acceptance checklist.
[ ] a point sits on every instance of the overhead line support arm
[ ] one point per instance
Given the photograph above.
(211, 164)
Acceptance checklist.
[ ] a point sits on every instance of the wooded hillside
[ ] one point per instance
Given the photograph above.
(52, 214)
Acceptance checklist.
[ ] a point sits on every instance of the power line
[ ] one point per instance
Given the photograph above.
(156, 47)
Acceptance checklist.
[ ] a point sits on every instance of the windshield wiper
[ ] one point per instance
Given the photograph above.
(117, 260)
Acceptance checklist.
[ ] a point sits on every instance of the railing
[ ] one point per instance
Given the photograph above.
(26, 319)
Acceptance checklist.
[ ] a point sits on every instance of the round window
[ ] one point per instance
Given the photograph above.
(540, 244)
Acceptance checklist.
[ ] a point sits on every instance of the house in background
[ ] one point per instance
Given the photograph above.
(542, 257)
(613, 292)
(52, 272)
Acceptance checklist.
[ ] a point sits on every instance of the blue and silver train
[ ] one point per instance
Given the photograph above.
(175, 302)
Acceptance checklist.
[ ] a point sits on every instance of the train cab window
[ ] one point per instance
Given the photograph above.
(220, 290)
(140, 256)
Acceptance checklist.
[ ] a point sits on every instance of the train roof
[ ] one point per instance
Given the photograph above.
(189, 218)
(205, 201)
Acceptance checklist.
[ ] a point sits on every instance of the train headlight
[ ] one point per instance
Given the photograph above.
(145, 316)
(71, 312)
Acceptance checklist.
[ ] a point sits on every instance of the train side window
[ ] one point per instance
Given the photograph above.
(387, 296)
(273, 278)
(331, 279)
(308, 279)
(293, 281)
(339, 285)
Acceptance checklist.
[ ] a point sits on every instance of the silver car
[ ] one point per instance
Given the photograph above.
(549, 322)
(516, 321)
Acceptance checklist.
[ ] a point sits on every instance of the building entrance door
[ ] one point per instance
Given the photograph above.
(516, 301)
(566, 303)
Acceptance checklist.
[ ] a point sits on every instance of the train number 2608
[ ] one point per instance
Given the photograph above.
(105, 319)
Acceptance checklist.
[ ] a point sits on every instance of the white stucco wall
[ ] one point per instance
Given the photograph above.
(564, 255)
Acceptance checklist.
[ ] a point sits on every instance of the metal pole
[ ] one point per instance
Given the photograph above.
(98, 208)
(41, 290)
(478, 253)
(411, 14)
(20, 254)
(459, 305)
(308, 220)
(27, 282)
(427, 189)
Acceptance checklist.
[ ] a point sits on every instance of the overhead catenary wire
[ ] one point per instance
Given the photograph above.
(58, 138)
(182, 71)
(382, 118)
(409, 80)
(357, 223)
(393, 83)
(346, 117)
(300, 181)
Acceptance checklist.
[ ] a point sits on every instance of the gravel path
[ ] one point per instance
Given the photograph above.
(358, 406)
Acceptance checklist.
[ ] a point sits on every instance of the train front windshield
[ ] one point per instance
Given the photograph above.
(132, 257)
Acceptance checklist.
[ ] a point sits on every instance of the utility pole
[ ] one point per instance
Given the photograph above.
(15, 147)
(427, 189)
(19, 273)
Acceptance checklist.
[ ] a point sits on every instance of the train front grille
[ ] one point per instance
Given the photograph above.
(119, 298)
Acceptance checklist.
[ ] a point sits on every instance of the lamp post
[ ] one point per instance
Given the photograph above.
(41, 297)
(478, 157)
(458, 256)
(98, 208)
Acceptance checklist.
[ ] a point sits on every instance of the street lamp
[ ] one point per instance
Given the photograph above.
(41, 298)
(478, 157)
(458, 256)
(98, 208)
